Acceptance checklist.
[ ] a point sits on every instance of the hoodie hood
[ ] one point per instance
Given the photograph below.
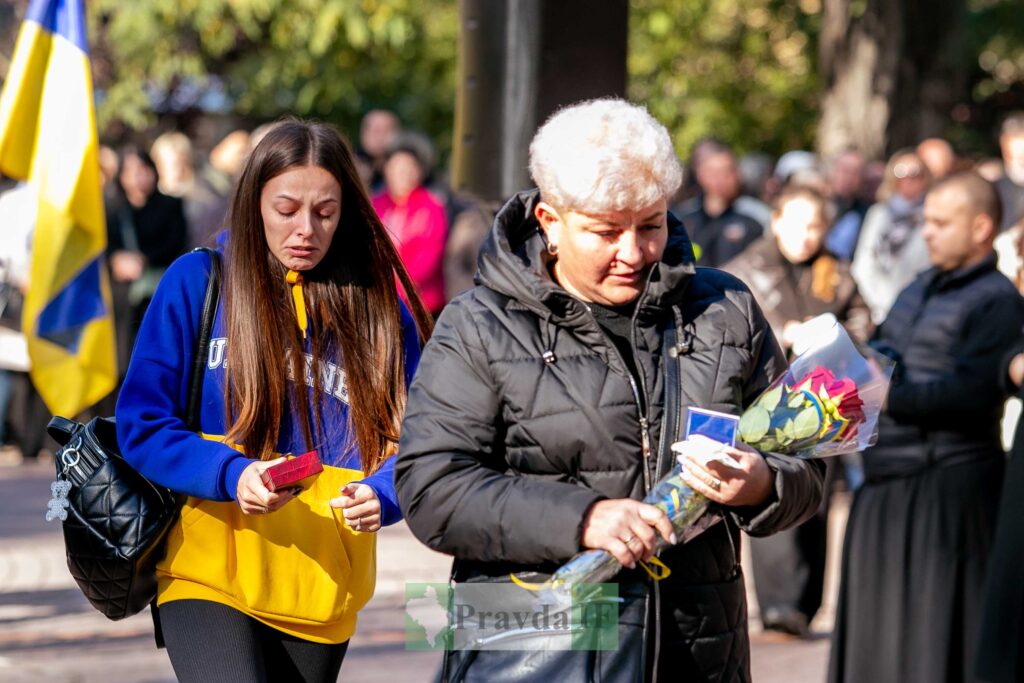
(514, 261)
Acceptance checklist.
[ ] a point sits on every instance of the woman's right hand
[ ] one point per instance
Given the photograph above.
(253, 496)
(626, 528)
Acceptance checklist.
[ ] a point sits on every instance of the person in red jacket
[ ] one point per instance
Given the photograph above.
(415, 219)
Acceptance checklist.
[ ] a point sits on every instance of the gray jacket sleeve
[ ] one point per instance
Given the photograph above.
(799, 484)
(451, 473)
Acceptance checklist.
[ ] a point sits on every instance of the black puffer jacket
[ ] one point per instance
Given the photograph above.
(503, 452)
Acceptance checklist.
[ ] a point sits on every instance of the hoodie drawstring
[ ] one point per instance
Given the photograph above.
(294, 278)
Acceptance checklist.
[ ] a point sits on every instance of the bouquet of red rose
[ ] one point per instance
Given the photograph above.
(826, 403)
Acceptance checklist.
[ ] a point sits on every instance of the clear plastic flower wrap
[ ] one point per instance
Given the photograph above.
(686, 509)
(826, 403)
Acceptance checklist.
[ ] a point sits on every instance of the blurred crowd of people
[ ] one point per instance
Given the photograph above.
(842, 234)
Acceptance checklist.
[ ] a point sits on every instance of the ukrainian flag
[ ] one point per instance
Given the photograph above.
(48, 137)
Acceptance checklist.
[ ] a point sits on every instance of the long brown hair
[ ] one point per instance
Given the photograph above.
(352, 300)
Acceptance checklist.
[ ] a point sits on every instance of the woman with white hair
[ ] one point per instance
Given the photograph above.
(546, 402)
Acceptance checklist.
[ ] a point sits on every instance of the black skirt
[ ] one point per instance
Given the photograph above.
(913, 575)
(1001, 640)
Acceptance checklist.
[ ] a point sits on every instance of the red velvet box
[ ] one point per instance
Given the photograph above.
(298, 472)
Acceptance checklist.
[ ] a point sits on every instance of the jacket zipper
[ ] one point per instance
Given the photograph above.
(645, 442)
(645, 447)
(645, 436)
(641, 408)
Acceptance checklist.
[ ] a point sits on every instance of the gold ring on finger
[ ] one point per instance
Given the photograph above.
(715, 484)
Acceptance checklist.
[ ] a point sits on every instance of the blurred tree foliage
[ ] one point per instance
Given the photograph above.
(327, 59)
(995, 53)
(741, 70)
(746, 71)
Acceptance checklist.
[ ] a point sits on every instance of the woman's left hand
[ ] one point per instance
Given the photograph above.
(748, 482)
(360, 507)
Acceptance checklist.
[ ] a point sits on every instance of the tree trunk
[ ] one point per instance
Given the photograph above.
(891, 73)
(519, 61)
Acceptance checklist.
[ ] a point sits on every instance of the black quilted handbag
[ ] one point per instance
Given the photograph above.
(116, 518)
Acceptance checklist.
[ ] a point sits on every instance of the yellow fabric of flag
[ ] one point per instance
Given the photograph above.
(48, 137)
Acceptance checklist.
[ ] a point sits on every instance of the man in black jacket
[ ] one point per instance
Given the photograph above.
(716, 222)
(921, 527)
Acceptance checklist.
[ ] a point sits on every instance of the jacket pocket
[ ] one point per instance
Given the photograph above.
(707, 612)
(704, 631)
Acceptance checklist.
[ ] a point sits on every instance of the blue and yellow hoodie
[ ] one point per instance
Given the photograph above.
(300, 569)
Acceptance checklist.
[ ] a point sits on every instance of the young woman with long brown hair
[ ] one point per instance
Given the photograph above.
(312, 349)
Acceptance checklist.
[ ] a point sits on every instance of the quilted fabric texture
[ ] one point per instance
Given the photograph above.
(115, 528)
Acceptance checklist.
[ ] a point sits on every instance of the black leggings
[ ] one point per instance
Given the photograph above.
(207, 641)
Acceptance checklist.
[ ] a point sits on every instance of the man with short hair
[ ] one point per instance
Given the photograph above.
(1011, 185)
(718, 229)
(920, 528)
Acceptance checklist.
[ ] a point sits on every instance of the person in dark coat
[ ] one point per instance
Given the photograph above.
(921, 527)
(716, 220)
(794, 278)
(146, 231)
(1011, 184)
(1001, 637)
(537, 420)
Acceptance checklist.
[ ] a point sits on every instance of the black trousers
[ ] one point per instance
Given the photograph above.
(789, 567)
(207, 641)
(28, 417)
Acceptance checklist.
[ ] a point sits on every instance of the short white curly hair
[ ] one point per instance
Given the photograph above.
(604, 155)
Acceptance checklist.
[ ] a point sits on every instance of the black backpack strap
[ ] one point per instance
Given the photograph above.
(202, 347)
